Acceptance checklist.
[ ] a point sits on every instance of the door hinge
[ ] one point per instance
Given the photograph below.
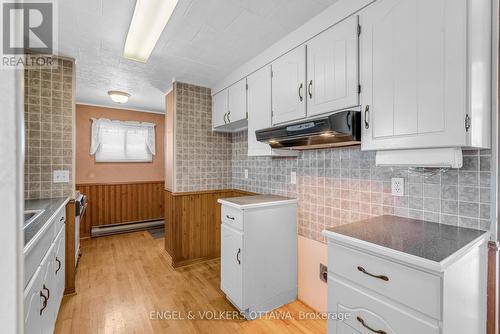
(359, 89)
(467, 123)
(359, 29)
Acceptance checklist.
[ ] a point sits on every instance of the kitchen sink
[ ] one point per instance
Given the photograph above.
(31, 215)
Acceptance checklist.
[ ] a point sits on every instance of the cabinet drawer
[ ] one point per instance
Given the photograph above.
(60, 219)
(413, 288)
(366, 314)
(232, 217)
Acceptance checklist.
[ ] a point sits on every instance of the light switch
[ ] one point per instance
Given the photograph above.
(293, 177)
(60, 176)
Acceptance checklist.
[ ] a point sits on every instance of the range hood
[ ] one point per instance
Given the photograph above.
(339, 129)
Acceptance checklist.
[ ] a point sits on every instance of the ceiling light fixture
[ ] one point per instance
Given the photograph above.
(118, 97)
(149, 19)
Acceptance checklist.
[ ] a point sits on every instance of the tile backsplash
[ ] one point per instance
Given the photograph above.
(202, 157)
(48, 114)
(343, 185)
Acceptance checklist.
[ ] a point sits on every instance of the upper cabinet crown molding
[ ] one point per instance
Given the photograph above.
(425, 74)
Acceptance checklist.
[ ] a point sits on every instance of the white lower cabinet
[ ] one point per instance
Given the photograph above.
(369, 291)
(44, 292)
(231, 264)
(259, 255)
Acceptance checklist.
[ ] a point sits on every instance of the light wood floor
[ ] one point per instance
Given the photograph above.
(123, 278)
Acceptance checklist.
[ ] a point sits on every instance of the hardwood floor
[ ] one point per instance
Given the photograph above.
(125, 285)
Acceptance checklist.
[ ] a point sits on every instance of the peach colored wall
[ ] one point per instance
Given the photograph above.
(88, 171)
(312, 291)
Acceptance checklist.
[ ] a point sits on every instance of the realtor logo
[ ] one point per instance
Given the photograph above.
(28, 33)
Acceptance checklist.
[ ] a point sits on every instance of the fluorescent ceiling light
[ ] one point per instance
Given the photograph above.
(149, 19)
(118, 97)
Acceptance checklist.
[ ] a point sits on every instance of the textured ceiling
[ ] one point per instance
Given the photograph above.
(203, 42)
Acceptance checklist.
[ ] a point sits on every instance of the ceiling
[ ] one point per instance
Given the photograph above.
(203, 42)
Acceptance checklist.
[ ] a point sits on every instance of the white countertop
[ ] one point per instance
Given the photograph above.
(256, 201)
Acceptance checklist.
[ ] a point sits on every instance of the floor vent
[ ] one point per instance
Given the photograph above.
(102, 230)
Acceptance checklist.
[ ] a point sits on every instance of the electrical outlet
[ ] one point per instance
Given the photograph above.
(246, 173)
(398, 186)
(323, 272)
(60, 176)
(293, 177)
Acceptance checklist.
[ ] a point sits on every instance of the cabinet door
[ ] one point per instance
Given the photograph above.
(58, 268)
(259, 109)
(48, 315)
(219, 108)
(332, 69)
(413, 74)
(33, 303)
(237, 105)
(232, 264)
(289, 86)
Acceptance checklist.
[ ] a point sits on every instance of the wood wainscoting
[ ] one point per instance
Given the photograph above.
(119, 203)
(192, 225)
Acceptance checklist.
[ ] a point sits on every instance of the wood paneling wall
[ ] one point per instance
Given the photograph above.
(69, 263)
(121, 203)
(192, 225)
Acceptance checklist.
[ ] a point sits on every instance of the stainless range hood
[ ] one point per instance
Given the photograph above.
(340, 129)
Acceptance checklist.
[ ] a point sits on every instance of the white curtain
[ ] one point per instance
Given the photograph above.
(122, 140)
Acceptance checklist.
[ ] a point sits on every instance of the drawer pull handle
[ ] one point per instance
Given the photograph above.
(229, 217)
(44, 303)
(48, 291)
(238, 256)
(62, 218)
(382, 277)
(58, 265)
(362, 322)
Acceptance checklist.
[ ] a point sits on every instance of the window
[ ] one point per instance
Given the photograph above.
(118, 141)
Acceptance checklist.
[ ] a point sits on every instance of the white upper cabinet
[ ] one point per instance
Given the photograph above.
(259, 113)
(219, 108)
(259, 109)
(332, 69)
(289, 86)
(229, 108)
(424, 76)
(237, 108)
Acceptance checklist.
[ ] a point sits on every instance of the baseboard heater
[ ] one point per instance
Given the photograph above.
(102, 230)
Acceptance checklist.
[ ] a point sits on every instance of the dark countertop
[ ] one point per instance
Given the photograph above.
(50, 205)
(431, 241)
